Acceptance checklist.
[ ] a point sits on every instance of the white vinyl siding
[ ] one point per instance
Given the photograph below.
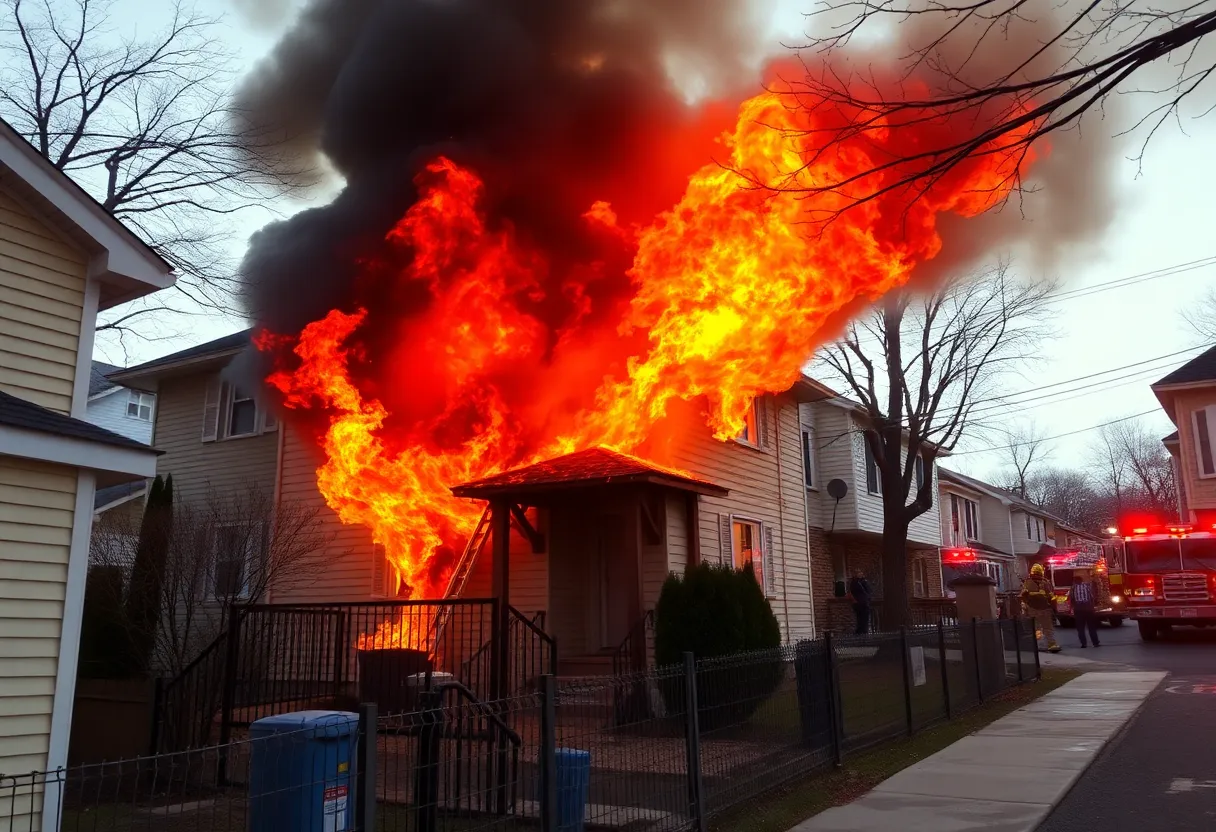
(110, 412)
(37, 503)
(925, 529)
(42, 289)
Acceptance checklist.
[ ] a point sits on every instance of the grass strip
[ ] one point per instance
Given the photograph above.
(777, 811)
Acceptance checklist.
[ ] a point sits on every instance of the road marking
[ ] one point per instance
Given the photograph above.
(1185, 785)
(1189, 688)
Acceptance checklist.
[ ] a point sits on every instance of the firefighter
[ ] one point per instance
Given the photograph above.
(1037, 594)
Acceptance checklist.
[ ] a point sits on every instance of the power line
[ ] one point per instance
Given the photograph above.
(1102, 386)
(1042, 387)
(1057, 436)
(1132, 280)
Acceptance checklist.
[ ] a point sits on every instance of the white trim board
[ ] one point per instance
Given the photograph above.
(134, 495)
(78, 453)
(84, 348)
(69, 646)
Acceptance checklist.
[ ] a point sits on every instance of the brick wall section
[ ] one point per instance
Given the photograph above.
(836, 613)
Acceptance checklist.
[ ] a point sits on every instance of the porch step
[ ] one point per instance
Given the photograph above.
(591, 664)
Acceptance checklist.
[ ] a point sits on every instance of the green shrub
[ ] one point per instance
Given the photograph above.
(714, 612)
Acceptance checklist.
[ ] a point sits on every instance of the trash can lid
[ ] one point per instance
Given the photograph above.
(419, 679)
(333, 723)
(572, 754)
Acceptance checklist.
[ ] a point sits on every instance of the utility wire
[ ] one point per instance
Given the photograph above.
(1057, 436)
(1132, 280)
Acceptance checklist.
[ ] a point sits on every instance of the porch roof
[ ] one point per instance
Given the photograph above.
(584, 469)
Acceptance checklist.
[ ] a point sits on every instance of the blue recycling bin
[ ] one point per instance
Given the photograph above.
(302, 772)
(573, 785)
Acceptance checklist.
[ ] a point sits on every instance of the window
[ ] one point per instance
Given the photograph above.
(231, 412)
(139, 405)
(242, 413)
(808, 458)
(753, 431)
(1029, 531)
(236, 548)
(873, 480)
(748, 544)
(918, 466)
(956, 538)
(386, 578)
(920, 579)
(1038, 529)
(1205, 432)
(972, 518)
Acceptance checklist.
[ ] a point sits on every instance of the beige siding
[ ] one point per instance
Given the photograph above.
(42, 289)
(229, 465)
(1200, 492)
(995, 529)
(925, 529)
(763, 491)
(833, 460)
(37, 504)
(676, 512)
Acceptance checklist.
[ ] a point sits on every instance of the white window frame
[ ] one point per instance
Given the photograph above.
(755, 424)
(871, 463)
(956, 520)
(219, 398)
(971, 519)
(766, 581)
(808, 459)
(1029, 531)
(1205, 416)
(386, 578)
(920, 578)
(140, 400)
(253, 533)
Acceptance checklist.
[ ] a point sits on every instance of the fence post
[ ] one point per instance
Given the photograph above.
(907, 662)
(941, 652)
(548, 753)
(692, 745)
(1017, 645)
(975, 651)
(829, 657)
(340, 653)
(232, 655)
(158, 702)
(1038, 668)
(426, 780)
(365, 769)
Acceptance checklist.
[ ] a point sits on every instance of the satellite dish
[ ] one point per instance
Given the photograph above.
(838, 489)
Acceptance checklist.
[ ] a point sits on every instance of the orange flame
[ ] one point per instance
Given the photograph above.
(732, 290)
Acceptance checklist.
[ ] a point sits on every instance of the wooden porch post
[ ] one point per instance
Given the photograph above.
(500, 635)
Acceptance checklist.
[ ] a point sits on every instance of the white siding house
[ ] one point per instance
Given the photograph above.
(124, 411)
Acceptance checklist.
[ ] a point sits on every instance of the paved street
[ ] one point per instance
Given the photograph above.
(1160, 773)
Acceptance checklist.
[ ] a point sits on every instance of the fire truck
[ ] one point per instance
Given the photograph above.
(1061, 569)
(1167, 574)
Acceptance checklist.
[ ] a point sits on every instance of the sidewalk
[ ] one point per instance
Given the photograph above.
(1007, 777)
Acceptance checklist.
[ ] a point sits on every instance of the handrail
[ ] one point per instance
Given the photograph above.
(620, 659)
(516, 614)
(482, 708)
(214, 646)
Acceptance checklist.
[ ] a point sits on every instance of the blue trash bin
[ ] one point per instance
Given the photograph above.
(573, 785)
(302, 772)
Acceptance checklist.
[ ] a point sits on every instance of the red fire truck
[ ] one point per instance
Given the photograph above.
(1063, 566)
(1167, 574)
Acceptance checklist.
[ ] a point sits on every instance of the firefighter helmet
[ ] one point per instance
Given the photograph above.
(1037, 569)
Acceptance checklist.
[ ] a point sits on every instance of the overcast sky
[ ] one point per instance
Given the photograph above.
(1164, 218)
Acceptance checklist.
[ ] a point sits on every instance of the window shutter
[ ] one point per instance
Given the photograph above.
(211, 410)
(1205, 433)
(269, 422)
(724, 542)
(918, 465)
(768, 556)
(808, 458)
(763, 423)
(379, 571)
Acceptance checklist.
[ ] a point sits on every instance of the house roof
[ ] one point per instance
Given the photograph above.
(18, 413)
(128, 267)
(1007, 497)
(1173, 437)
(1199, 369)
(98, 383)
(118, 494)
(592, 467)
(196, 357)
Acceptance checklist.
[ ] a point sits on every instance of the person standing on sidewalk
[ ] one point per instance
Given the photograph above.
(1037, 593)
(1084, 599)
(861, 596)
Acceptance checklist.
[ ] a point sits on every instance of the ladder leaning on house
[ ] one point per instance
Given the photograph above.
(460, 577)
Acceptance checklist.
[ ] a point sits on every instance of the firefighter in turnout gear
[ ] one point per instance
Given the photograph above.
(1037, 593)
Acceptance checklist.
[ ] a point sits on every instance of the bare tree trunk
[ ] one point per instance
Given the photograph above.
(894, 551)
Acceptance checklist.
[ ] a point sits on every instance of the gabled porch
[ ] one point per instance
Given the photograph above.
(591, 536)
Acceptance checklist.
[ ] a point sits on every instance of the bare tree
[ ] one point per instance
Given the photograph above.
(987, 77)
(1135, 469)
(919, 365)
(1201, 318)
(1027, 449)
(146, 125)
(225, 549)
(1069, 495)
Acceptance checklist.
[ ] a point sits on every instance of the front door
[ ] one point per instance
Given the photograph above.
(615, 581)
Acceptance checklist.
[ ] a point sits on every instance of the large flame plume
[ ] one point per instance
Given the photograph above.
(513, 351)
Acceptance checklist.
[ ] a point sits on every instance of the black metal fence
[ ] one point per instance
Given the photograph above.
(277, 658)
(665, 748)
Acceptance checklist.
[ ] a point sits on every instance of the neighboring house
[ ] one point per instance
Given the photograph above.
(62, 259)
(1188, 396)
(979, 517)
(127, 412)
